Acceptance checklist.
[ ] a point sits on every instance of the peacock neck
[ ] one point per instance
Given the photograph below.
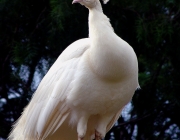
(97, 6)
(104, 51)
(99, 24)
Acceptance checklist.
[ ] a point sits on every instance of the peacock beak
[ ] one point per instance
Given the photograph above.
(76, 1)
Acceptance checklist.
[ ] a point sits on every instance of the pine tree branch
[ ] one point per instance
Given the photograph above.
(132, 121)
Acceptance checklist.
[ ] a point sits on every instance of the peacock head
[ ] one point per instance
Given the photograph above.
(88, 3)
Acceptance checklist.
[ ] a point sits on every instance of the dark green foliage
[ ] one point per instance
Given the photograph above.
(33, 34)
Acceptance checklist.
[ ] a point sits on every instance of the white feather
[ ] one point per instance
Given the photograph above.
(86, 88)
(105, 1)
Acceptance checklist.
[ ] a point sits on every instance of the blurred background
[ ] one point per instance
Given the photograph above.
(34, 33)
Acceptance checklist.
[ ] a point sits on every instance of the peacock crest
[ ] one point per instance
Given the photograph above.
(105, 1)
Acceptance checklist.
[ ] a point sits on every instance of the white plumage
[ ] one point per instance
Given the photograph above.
(85, 90)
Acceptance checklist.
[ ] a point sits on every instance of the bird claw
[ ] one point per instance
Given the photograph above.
(80, 138)
(98, 136)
